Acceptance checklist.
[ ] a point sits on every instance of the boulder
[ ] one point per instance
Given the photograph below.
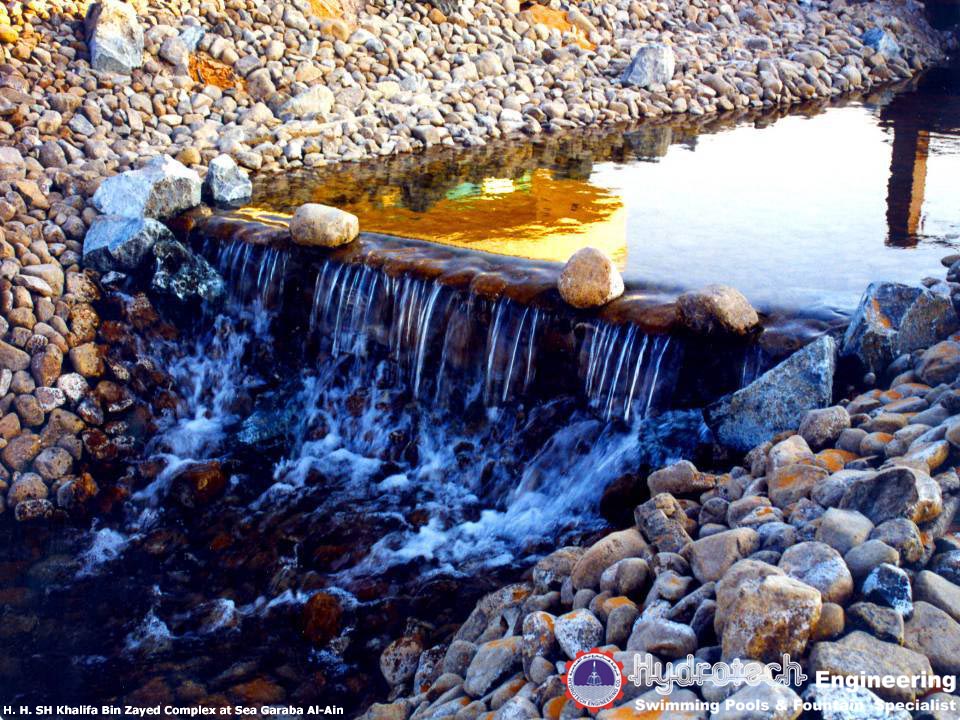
(894, 493)
(663, 638)
(681, 478)
(728, 588)
(604, 553)
(854, 703)
(13, 358)
(712, 556)
(651, 65)
(115, 242)
(717, 309)
(114, 37)
(226, 183)
(184, 275)
(778, 399)
(859, 654)
(578, 631)
(889, 586)
(843, 530)
(938, 591)
(822, 427)
(819, 566)
(318, 100)
(883, 623)
(12, 164)
(882, 42)
(160, 190)
(940, 363)
(770, 616)
(492, 662)
(769, 699)
(789, 483)
(323, 226)
(589, 279)
(934, 633)
(893, 319)
(398, 661)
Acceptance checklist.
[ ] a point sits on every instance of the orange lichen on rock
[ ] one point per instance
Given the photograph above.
(553, 707)
(834, 460)
(204, 69)
(556, 20)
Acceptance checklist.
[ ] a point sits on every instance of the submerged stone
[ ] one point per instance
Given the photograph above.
(717, 309)
(778, 399)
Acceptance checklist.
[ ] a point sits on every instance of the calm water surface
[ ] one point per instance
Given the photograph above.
(798, 212)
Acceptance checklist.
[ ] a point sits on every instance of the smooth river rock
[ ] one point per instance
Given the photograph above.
(589, 279)
(323, 226)
(717, 308)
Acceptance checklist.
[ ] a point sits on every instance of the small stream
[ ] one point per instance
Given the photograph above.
(397, 445)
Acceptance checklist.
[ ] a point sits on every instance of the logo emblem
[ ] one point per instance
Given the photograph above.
(594, 680)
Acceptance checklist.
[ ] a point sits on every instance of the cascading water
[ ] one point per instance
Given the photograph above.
(378, 433)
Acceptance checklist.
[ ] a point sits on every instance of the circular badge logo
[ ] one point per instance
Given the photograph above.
(594, 680)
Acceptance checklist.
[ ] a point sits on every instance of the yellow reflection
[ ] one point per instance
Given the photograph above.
(536, 216)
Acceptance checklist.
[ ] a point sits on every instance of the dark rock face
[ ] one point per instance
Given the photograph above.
(893, 319)
(894, 493)
(184, 275)
(778, 399)
(121, 243)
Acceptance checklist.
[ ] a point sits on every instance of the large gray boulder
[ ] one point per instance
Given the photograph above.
(226, 183)
(185, 276)
(114, 37)
(114, 242)
(893, 319)
(651, 65)
(160, 190)
(778, 399)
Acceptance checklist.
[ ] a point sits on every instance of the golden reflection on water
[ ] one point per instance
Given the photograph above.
(537, 215)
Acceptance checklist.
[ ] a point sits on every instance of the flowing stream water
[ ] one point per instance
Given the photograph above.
(397, 443)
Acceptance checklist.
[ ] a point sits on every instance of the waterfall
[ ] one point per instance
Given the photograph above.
(430, 331)
(622, 370)
(446, 343)
(251, 272)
